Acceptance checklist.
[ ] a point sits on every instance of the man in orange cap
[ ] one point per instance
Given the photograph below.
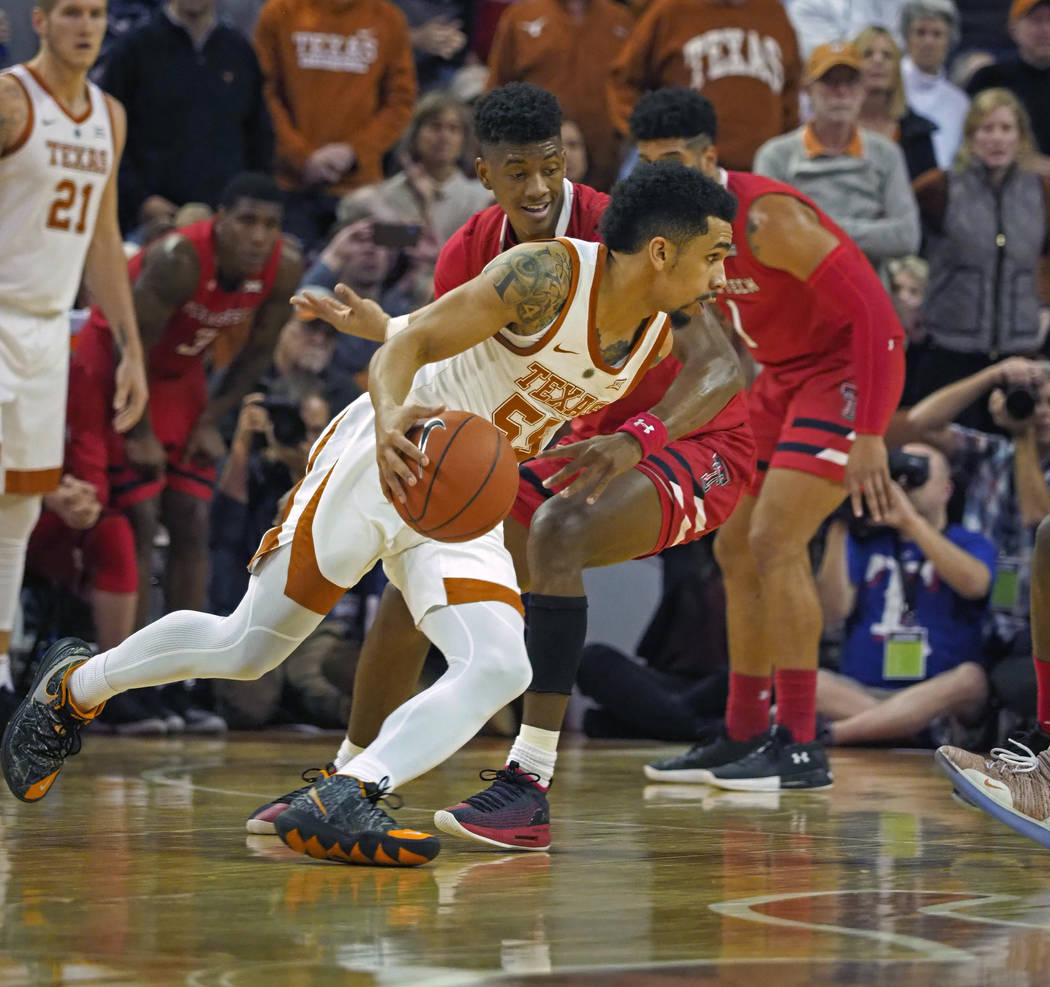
(858, 178)
(1027, 75)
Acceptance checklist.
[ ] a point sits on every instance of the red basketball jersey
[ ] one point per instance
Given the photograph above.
(775, 313)
(487, 234)
(209, 313)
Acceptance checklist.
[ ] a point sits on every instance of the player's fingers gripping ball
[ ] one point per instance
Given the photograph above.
(470, 482)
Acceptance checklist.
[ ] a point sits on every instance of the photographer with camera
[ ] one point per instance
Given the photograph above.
(913, 593)
(1007, 495)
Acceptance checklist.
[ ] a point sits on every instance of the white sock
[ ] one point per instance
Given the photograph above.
(536, 751)
(6, 682)
(346, 753)
(88, 685)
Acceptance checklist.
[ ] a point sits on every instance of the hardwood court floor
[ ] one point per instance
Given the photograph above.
(137, 869)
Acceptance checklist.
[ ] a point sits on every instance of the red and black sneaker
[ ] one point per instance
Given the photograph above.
(260, 822)
(512, 812)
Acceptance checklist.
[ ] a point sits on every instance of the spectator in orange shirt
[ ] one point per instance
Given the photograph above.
(567, 48)
(741, 54)
(340, 86)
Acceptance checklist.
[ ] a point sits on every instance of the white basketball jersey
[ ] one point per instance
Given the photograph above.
(51, 185)
(528, 385)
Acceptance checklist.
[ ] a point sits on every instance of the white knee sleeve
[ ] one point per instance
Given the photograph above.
(18, 515)
(484, 644)
(264, 629)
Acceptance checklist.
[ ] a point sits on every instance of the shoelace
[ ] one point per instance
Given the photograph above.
(382, 794)
(58, 743)
(310, 775)
(1024, 762)
(504, 789)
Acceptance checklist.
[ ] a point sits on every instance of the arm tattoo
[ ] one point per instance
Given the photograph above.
(534, 282)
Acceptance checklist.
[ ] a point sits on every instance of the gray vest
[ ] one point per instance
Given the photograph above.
(983, 293)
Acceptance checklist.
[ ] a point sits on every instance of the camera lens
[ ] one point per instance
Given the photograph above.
(1020, 402)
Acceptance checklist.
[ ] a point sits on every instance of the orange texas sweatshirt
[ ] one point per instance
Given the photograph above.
(743, 57)
(336, 71)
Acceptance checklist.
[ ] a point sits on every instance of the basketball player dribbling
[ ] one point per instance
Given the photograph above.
(590, 315)
(60, 143)
(675, 493)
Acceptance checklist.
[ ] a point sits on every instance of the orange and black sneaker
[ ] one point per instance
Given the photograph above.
(45, 729)
(260, 822)
(339, 818)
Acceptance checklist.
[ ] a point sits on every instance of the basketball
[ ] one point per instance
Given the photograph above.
(470, 483)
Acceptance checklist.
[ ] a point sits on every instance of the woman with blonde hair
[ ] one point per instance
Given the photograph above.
(885, 109)
(987, 223)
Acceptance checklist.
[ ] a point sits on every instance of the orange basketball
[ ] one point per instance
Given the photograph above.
(470, 483)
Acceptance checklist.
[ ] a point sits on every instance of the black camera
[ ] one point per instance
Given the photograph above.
(1020, 402)
(909, 470)
(289, 429)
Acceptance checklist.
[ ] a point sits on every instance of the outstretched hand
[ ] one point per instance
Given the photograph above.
(592, 464)
(348, 312)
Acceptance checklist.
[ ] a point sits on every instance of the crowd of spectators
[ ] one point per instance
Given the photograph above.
(922, 127)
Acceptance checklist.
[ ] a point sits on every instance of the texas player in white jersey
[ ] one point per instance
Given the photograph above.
(60, 141)
(545, 327)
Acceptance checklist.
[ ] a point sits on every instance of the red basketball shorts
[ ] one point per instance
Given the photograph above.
(803, 420)
(175, 404)
(103, 557)
(699, 479)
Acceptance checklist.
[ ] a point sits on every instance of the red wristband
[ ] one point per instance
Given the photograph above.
(650, 432)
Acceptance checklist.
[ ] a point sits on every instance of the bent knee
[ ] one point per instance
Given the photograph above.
(971, 680)
(558, 534)
(771, 544)
(503, 675)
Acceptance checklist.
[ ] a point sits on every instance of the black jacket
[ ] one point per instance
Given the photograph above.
(195, 118)
(916, 142)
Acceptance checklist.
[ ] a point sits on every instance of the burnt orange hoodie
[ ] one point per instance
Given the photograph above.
(743, 57)
(335, 72)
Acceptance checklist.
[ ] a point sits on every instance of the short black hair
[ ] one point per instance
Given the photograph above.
(250, 185)
(517, 113)
(664, 198)
(673, 112)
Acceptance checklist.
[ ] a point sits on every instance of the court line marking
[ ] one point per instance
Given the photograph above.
(947, 910)
(937, 952)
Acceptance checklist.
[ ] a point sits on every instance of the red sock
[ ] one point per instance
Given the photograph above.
(797, 702)
(747, 711)
(1042, 695)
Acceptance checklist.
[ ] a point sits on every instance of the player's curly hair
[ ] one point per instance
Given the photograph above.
(517, 113)
(674, 112)
(663, 199)
(250, 185)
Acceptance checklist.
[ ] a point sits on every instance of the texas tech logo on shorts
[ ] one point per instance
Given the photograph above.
(848, 390)
(719, 475)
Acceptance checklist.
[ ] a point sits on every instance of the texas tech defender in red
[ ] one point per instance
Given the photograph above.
(816, 317)
(228, 280)
(664, 500)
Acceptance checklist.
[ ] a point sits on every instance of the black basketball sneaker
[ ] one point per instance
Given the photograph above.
(45, 728)
(339, 818)
(694, 766)
(776, 764)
